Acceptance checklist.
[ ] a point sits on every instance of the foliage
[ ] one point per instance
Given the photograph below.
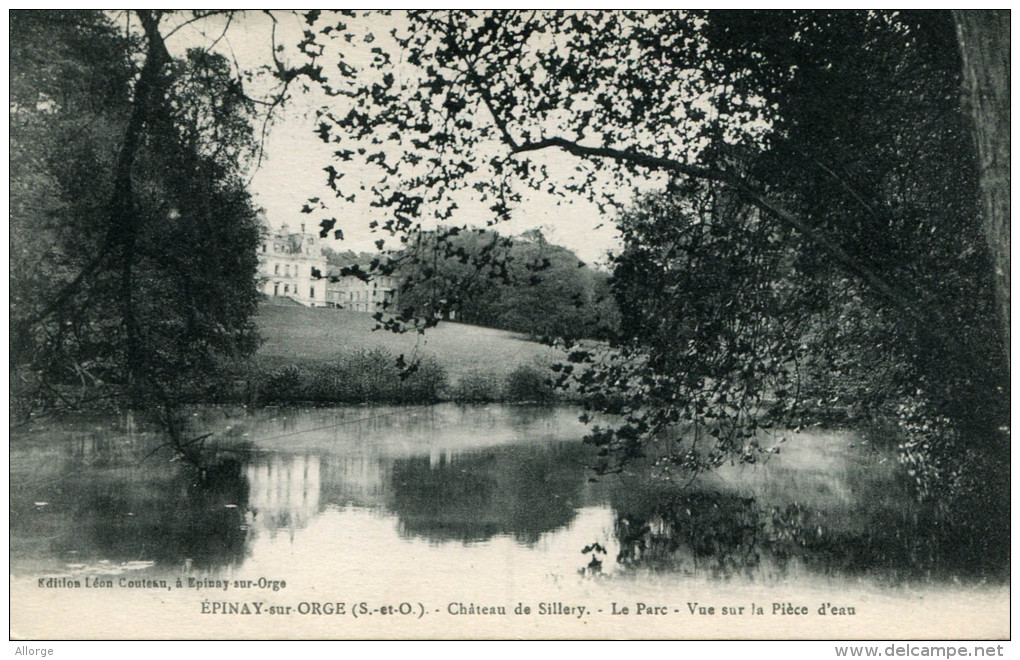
(524, 284)
(370, 376)
(346, 258)
(820, 225)
(134, 232)
(373, 376)
(477, 388)
(707, 337)
(530, 384)
(64, 126)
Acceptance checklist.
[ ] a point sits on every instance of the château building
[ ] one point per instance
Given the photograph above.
(375, 295)
(292, 265)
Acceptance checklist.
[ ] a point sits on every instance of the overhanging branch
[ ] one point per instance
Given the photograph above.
(903, 302)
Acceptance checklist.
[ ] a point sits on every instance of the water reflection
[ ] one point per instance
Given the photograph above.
(830, 509)
(98, 505)
(169, 521)
(284, 491)
(491, 485)
(522, 492)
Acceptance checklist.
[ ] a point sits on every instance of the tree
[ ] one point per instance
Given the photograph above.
(984, 45)
(135, 235)
(524, 284)
(61, 121)
(710, 336)
(838, 135)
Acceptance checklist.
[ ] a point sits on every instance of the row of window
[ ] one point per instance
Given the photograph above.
(287, 271)
(356, 307)
(359, 295)
(287, 290)
(276, 248)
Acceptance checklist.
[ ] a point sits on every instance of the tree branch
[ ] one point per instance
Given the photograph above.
(737, 183)
(924, 323)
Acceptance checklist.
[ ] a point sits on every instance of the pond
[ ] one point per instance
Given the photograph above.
(494, 505)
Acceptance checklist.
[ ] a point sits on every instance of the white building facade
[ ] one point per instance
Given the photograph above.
(376, 295)
(292, 265)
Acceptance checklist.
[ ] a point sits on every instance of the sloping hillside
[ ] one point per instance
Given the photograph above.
(301, 333)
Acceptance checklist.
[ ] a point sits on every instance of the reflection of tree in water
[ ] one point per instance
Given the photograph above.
(163, 514)
(521, 491)
(688, 532)
(723, 535)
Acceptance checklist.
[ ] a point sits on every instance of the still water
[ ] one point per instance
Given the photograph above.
(490, 502)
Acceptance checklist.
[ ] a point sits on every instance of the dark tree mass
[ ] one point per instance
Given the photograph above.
(677, 323)
(813, 207)
(824, 238)
(132, 233)
(525, 284)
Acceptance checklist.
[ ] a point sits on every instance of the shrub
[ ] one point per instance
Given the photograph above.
(360, 377)
(527, 383)
(280, 385)
(478, 388)
(426, 383)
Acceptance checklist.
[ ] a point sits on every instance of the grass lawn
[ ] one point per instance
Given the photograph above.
(301, 334)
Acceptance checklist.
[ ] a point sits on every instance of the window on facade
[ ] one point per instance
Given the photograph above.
(286, 288)
(276, 288)
(287, 269)
(277, 270)
(311, 292)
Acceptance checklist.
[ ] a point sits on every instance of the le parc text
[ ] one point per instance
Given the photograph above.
(754, 609)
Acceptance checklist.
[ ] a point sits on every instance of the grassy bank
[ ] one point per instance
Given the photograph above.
(373, 376)
(334, 356)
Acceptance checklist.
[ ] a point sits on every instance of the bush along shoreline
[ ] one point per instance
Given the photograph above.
(374, 376)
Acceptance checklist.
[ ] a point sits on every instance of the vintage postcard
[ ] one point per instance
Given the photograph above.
(683, 325)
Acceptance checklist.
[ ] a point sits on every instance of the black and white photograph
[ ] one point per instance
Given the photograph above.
(511, 324)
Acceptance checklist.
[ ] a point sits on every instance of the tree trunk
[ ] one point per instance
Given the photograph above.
(984, 45)
(123, 209)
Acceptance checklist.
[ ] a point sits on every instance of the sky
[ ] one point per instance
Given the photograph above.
(291, 170)
(292, 173)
